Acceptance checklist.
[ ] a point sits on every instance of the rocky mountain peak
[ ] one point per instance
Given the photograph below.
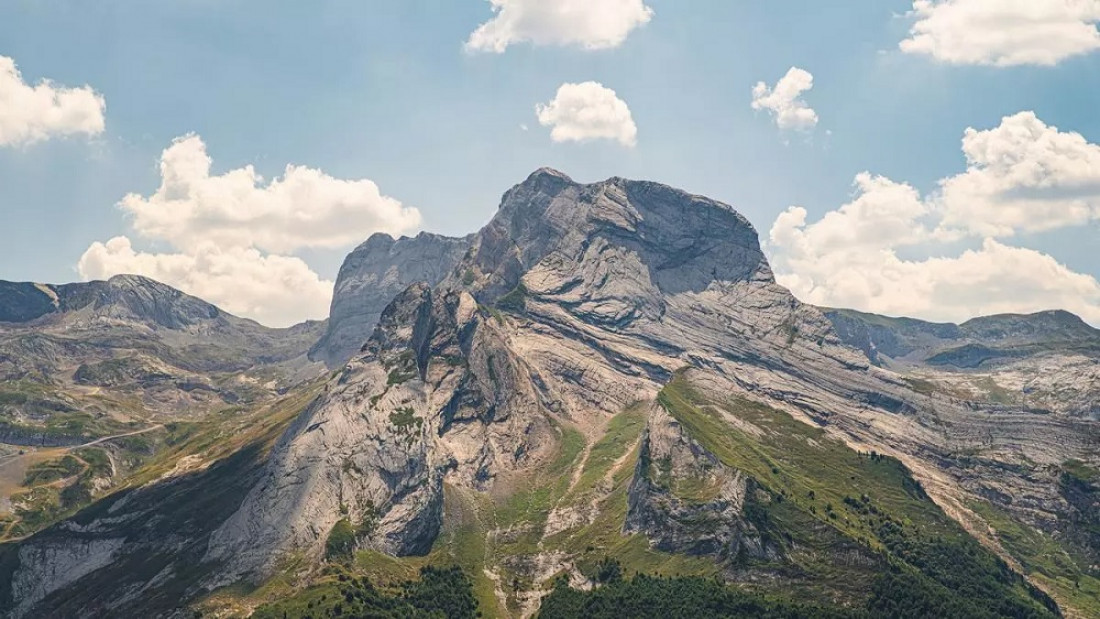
(662, 239)
(371, 276)
(138, 299)
(130, 298)
(604, 368)
(1049, 325)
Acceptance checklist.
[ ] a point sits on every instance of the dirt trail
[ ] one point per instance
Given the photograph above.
(14, 468)
(100, 441)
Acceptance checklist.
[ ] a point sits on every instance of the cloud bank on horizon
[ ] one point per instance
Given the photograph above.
(234, 236)
(1021, 176)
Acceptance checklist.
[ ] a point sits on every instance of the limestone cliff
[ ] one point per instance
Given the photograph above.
(371, 276)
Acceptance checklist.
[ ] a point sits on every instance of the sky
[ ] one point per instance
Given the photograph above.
(937, 159)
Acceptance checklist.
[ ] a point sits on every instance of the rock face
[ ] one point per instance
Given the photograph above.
(575, 301)
(686, 500)
(436, 395)
(371, 276)
(573, 304)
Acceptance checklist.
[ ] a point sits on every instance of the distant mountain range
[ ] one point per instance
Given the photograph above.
(604, 382)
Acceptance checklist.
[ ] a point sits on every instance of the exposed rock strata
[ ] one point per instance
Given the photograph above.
(573, 303)
(371, 276)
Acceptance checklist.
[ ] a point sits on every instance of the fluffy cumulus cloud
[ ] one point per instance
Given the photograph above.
(588, 111)
(1003, 32)
(1023, 176)
(303, 208)
(883, 251)
(591, 24)
(784, 101)
(233, 234)
(31, 114)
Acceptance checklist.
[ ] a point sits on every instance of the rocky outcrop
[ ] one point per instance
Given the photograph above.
(438, 393)
(371, 276)
(686, 501)
(49, 567)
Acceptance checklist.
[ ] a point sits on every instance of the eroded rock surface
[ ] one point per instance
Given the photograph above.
(575, 302)
(371, 276)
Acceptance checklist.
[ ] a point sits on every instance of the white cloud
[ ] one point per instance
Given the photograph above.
(275, 290)
(303, 208)
(1003, 32)
(30, 114)
(591, 24)
(784, 101)
(1021, 176)
(588, 111)
(232, 234)
(883, 214)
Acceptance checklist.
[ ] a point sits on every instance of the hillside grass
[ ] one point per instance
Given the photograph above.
(827, 501)
(1045, 559)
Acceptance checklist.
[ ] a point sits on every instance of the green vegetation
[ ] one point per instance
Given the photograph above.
(622, 432)
(340, 544)
(822, 500)
(644, 597)
(921, 385)
(994, 392)
(1078, 471)
(402, 369)
(438, 594)
(1055, 563)
(529, 506)
(56, 488)
(99, 463)
(55, 416)
(406, 423)
(400, 375)
(52, 470)
(515, 301)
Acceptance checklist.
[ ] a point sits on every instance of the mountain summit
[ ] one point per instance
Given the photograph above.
(606, 373)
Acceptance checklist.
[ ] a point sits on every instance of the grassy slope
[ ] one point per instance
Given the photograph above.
(224, 451)
(833, 497)
(495, 540)
(844, 518)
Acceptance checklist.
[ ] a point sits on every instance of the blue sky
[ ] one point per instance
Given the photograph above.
(384, 90)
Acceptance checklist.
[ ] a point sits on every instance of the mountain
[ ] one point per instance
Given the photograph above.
(1049, 361)
(128, 358)
(607, 383)
(132, 334)
(981, 341)
(371, 276)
